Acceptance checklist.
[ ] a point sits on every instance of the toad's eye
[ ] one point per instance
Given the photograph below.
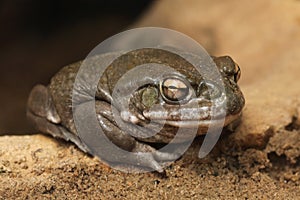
(174, 90)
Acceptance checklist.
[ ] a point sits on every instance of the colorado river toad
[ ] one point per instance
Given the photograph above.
(50, 107)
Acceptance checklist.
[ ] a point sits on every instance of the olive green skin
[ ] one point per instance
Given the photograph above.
(50, 107)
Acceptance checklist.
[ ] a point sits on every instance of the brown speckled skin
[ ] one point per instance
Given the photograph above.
(50, 108)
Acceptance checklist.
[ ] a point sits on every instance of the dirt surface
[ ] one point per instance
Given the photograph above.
(260, 160)
(40, 167)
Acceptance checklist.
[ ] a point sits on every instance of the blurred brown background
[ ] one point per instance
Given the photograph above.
(38, 37)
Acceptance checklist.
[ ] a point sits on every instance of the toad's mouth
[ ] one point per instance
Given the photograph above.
(204, 123)
(198, 112)
(189, 117)
(213, 123)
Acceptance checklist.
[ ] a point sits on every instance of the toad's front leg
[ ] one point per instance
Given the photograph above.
(138, 153)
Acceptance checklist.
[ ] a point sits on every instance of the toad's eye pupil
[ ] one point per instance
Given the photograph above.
(173, 87)
(174, 90)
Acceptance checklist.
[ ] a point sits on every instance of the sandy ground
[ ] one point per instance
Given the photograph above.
(261, 160)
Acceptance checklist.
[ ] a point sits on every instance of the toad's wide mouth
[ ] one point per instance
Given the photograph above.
(207, 123)
(189, 117)
(198, 112)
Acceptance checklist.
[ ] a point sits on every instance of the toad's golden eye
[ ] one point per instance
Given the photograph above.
(174, 90)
